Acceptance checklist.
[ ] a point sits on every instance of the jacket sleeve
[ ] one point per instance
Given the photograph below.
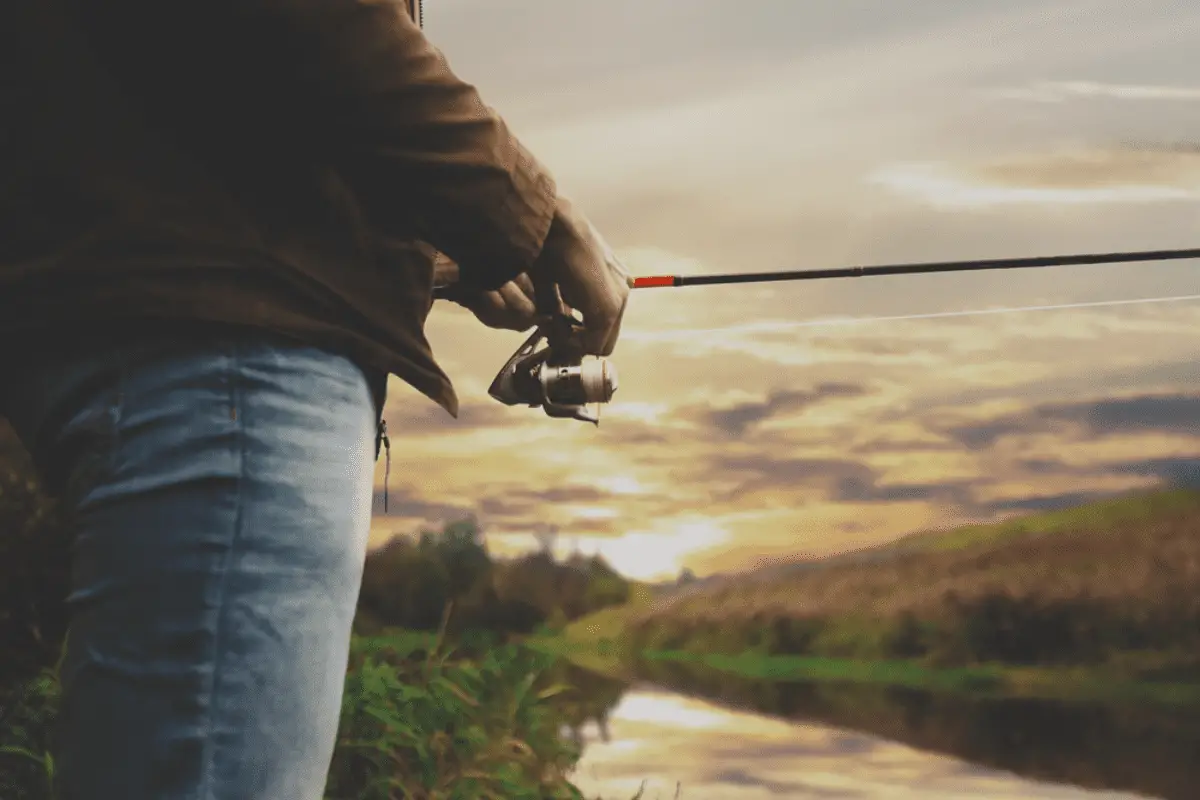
(354, 84)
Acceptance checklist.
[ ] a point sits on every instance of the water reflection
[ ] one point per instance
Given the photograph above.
(721, 754)
(741, 740)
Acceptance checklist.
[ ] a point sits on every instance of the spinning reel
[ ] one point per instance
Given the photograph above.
(556, 377)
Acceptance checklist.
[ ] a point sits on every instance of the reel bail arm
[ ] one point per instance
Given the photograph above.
(555, 377)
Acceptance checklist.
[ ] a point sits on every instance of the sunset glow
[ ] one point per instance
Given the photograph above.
(773, 421)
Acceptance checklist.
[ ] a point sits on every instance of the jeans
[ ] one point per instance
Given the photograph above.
(221, 489)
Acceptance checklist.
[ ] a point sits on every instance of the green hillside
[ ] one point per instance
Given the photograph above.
(1108, 591)
(1099, 517)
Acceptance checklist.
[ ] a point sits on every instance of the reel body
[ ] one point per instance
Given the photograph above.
(556, 377)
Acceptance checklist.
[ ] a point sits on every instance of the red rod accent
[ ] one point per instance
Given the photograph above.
(653, 281)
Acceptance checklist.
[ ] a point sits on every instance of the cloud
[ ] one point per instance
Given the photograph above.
(833, 480)
(1066, 178)
(407, 504)
(859, 490)
(705, 142)
(1062, 91)
(765, 470)
(884, 445)
(742, 136)
(1095, 168)
(980, 435)
(734, 420)
(520, 503)
(1175, 471)
(1170, 413)
(1040, 503)
(1175, 413)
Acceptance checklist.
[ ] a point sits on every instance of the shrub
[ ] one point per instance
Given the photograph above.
(418, 722)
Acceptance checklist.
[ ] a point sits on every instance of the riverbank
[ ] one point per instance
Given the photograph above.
(1100, 602)
(998, 680)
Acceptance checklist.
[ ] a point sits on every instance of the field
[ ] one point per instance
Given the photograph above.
(1102, 598)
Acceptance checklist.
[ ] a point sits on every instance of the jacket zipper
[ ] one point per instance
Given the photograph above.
(381, 438)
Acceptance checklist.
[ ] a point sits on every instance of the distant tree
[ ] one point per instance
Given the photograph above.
(407, 583)
(461, 548)
(604, 591)
(427, 541)
(686, 576)
(546, 538)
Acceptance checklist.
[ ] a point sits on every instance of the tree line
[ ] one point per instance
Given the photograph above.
(412, 581)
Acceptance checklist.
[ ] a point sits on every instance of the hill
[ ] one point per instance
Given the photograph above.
(1097, 584)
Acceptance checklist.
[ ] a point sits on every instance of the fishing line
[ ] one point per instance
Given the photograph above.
(982, 311)
(778, 326)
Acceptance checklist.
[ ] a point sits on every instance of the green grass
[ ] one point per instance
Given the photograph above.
(609, 623)
(1055, 683)
(1098, 517)
(420, 721)
(602, 657)
(1073, 683)
(1112, 565)
(1095, 518)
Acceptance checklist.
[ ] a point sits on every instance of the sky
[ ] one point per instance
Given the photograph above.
(769, 422)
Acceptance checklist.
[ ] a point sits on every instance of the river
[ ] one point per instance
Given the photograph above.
(754, 740)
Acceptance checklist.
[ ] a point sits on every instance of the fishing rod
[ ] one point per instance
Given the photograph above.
(924, 268)
(559, 380)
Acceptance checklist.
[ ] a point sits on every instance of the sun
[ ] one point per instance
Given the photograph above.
(659, 553)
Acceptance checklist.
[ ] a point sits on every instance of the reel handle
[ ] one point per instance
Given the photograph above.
(558, 325)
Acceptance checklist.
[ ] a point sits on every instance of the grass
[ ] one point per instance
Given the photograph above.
(610, 623)
(1050, 683)
(421, 720)
(1098, 602)
(1093, 518)
(1141, 548)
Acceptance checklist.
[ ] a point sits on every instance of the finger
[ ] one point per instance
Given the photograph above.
(445, 271)
(603, 325)
(525, 284)
(519, 308)
(487, 306)
(518, 304)
(614, 331)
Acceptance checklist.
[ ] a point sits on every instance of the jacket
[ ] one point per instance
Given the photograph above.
(289, 165)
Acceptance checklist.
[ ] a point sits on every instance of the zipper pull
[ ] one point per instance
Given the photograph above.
(381, 437)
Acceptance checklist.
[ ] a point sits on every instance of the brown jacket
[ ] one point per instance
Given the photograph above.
(285, 164)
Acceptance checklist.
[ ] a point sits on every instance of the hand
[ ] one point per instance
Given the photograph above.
(576, 259)
(511, 307)
(589, 276)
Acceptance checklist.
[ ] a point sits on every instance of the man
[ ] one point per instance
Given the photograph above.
(218, 228)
